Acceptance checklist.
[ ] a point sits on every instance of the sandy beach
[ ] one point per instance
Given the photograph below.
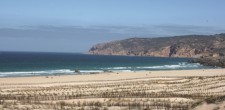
(175, 89)
(115, 76)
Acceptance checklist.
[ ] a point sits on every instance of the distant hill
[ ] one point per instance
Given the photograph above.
(192, 46)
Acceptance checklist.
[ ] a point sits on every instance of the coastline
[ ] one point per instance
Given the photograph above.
(112, 76)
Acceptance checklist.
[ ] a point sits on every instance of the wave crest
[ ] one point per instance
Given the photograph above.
(182, 65)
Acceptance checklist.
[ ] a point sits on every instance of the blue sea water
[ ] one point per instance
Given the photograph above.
(38, 63)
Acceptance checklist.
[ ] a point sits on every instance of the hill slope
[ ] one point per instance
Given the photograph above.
(178, 46)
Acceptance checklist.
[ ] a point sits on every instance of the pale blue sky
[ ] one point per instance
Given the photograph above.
(76, 25)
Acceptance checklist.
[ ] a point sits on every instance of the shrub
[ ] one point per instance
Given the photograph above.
(196, 104)
(210, 100)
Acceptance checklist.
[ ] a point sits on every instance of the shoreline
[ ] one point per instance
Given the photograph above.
(46, 73)
(111, 76)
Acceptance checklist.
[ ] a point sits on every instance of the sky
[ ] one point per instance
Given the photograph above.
(77, 25)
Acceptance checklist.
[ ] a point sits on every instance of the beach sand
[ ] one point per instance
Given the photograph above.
(175, 89)
(115, 76)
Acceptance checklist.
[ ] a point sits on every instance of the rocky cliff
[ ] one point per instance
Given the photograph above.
(192, 46)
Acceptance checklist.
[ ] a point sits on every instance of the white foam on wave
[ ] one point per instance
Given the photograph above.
(117, 68)
(178, 66)
(47, 72)
(182, 65)
(37, 72)
(90, 71)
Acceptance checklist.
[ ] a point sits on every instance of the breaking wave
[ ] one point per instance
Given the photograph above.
(32, 73)
(178, 66)
(182, 65)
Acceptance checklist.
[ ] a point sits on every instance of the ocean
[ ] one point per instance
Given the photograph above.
(40, 63)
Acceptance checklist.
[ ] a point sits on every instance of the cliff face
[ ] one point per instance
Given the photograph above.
(178, 46)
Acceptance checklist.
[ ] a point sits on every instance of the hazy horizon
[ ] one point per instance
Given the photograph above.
(75, 26)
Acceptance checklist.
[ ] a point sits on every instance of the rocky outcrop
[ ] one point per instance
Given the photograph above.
(210, 61)
(192, 46)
